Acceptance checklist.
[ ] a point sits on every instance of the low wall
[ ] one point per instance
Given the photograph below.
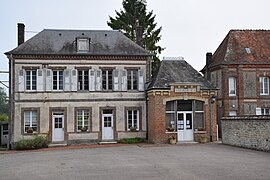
(250, 132)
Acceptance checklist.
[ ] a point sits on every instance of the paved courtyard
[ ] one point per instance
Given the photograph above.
(193, 161)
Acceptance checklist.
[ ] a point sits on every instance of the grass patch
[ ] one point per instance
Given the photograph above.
(131, 140)
(36, 143)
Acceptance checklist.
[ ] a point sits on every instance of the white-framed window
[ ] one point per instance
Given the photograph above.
(132, 120)
(107, 79)
(58, 80)
(232, 86)
(82, 44)
(31, 80)
(30, 121)
(170, 116)
(132, 79)
(198, 122)
(264, 86)
(83, 120)
(83, 79)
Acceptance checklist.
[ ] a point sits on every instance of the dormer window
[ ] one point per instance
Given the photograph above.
(83, 44)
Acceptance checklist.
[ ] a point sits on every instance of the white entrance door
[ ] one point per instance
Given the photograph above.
(185, 126)
(58, 126)
(107, 125)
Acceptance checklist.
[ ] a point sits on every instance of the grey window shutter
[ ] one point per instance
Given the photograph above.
(116, 80)
(74, 80)
(124, 80)
(40, 81)
(92, 80)
(98, 80)
(48, 79)
(258, 111)
(141, 80)
(67, 79)
(21, 80)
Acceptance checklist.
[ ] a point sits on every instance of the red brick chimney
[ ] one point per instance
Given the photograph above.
(20, 33)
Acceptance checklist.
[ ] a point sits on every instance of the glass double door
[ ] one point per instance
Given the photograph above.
(185, 126)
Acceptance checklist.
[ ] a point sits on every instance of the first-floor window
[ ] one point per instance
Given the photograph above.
(31, 80)
(132, 79)
(30, 121)
(132, 120)
(58, 80)
(232, 86)
(264, 85)
(107, 79)
(83, 117)
(83, 80)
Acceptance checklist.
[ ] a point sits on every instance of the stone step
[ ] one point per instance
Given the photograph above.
(57, 144)
(107, 142)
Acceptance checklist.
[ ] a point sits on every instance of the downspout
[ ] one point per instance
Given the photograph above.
(11, 101)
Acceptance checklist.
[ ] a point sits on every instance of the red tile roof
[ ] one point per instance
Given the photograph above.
(243, 47)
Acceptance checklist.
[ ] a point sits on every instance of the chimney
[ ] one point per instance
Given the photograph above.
(20, 33)
(208, 62)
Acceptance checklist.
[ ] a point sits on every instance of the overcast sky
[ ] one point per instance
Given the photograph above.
(190, 28)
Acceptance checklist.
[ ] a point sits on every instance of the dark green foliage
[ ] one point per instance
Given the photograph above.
(36, 143)
(3, 101)
(133, 18)
(3, 117)
(131, 140)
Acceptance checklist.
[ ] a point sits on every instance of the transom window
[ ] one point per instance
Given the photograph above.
(132, 120)
(132, 79)
(232, 86)
(264, 86)
(30, 121)
(58, 80)
(107, 80)
(83, 79)
(83, 118)
(31, 80)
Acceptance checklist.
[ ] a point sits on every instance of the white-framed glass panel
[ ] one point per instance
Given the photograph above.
(132, 119)
(232, 113)
(265, 111)
(232, 86)
(132, 79)
(31, 80)
(83, 119)
(264, 86)
(107, 80)
(58, 80)
(30, 121)
(170, 116)
(83, 79)
(82, 44)
(198, 122)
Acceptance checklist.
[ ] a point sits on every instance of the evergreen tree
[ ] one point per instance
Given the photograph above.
(139, 26)
(3, 103)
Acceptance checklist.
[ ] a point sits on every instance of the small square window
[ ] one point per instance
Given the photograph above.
(82, 44)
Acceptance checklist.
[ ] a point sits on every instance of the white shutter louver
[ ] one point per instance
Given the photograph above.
(40, 83)
(74, 80)
(21, 80)
(48, 80)
(98, 80)
(124, 80)
(92, 80)
(67, 79)
(116, 80)
(258, 111)
(141, 80)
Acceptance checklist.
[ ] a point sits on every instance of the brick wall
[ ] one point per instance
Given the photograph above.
(250, 132)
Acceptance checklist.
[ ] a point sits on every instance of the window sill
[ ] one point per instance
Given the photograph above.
(29, 134)
(199, 132)
(170, 132)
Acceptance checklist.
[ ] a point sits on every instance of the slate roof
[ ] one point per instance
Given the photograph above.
(63, 42)
(177, 71)
(232, 49)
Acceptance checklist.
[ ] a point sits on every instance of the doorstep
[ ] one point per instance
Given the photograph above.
(186, 142)
(58, 144)
(107, 142)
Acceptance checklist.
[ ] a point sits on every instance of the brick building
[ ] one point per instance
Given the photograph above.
(240, 68)
(180, 104)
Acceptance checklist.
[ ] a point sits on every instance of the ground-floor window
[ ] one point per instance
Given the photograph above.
(199, 115)
(83, 120)
(262, 111)
(133, 119)
(30, 121)
(170, 116)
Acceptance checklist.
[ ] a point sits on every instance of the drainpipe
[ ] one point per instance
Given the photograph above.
(212, 100)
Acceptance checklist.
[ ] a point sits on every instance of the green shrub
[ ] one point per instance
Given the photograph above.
(131, 140)
(3, 117)
(36, 143)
